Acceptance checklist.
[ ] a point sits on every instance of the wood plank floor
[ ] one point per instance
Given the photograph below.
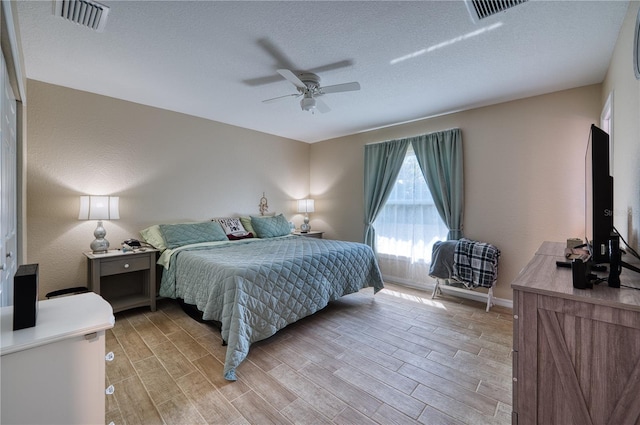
(394, 358)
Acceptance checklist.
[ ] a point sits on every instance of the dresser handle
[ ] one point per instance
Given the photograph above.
(110, 356)
(110, 390)
(515, 316)
(126, 266)
(91, 336)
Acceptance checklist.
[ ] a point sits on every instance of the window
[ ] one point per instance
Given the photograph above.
(409, 223)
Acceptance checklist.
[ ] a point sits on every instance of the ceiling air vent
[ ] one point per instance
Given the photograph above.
(481, 9)
(87, 13)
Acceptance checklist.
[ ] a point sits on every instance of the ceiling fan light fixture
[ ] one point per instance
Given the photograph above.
(308, 104)
(308, 86)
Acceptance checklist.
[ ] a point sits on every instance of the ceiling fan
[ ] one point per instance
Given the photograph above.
(308, 85)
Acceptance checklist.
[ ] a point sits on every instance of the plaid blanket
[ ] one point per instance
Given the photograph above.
(475, 263)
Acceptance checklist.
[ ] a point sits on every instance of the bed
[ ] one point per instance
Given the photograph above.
(254, 287)
(465, 264)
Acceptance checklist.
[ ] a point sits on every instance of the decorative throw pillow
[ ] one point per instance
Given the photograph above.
(270, 227)
(152, 235)
(233, 237)
(246, 223)
(176, 235)
(232, 226)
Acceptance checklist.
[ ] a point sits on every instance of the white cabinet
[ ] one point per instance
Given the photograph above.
(54, 373)
(8, 211)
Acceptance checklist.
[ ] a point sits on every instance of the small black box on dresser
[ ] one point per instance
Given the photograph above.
(25, 296)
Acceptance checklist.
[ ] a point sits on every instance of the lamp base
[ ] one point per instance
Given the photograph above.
(305, 227)
(100, 245)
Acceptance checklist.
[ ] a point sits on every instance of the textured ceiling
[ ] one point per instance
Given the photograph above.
(416, 59)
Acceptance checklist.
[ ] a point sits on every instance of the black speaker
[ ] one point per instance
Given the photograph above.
(580, 274)
(615, 259)
(25, 296)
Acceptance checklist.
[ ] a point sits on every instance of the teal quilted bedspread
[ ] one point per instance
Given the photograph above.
(256, 287)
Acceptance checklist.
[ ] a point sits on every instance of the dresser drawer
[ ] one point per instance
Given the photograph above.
(124, 265)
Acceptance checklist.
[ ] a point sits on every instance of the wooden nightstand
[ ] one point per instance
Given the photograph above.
(309, 234)
(125, 280)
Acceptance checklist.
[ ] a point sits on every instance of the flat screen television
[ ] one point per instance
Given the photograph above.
(598, 196)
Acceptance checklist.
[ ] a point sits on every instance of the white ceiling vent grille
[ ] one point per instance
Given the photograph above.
(481, 9)
(87, 13)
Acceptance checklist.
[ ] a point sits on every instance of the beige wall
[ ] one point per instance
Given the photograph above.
(523, 169)
(622, 83)
(523, 165)
(165, 166)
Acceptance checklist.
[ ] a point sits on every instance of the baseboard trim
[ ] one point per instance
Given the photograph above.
(451, 290)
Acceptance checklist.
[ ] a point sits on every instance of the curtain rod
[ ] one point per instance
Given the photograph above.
(415, 135)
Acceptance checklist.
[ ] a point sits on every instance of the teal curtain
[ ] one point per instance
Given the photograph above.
(440, 158)
(382, 163)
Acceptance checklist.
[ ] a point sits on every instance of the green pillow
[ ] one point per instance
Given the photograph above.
(246, 223)
(152, 235)
(270, 227)
(176, 235)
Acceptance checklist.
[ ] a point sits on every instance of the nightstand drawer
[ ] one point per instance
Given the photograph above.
(124, 265)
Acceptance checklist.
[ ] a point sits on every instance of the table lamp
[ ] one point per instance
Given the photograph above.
(305, 206)
(99, 208)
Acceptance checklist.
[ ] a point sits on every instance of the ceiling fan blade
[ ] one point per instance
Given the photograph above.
(260, 81)
(321, 106)
(331, 66)
(282, 61)
(293, 78)
(275, 99)
(337, 88)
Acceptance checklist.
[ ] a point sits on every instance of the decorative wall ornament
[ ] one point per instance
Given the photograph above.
(263, 205)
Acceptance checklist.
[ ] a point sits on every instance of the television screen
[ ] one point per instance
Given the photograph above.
(598, 196)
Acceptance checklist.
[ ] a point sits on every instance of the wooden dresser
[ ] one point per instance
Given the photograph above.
(576, 352)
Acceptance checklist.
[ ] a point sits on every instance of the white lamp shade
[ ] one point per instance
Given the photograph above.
(306, 206)
(99, 208)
